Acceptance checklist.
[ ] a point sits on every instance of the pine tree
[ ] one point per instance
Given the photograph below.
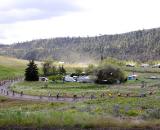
(31, 72)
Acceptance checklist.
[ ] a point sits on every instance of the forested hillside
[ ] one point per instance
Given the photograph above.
(140, 45)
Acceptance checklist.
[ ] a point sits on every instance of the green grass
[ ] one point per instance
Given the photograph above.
(65, 89)
(12, 67)
(88, 114)
(99, 112)
(69, 89)
(143, 77)
(7, 72)
(142, 69)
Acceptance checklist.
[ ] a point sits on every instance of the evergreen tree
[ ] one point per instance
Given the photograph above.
(31, 72)
(62, 70)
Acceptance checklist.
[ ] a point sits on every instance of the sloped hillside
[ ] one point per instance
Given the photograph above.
(12, 67)
(140, 45)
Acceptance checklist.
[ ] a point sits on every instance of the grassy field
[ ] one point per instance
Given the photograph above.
(142, 69)
(65, 89)
(108, 111)
(69, 89)
(12, 67)
(89, 114)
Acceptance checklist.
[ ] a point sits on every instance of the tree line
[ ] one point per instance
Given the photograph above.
(142, 45)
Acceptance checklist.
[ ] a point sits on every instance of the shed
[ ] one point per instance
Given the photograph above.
(68, 78)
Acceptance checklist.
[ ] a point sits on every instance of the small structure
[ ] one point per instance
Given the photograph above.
(80, 79)
(84, 79)
(156, 66)
(130, 65)
(43, 79)
(144, 65)
(68, 78)
(75, 78)
(153, 77)
(132, 77)
(142, 95)
(61, 62)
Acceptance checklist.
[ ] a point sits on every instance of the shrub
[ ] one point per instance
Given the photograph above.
(49, 68)
(152, 114)
(90, 69)
(62, 70)
(55, 77)
(73, 74)
(78, 71)
(132, 113)
(46, 68)
(110, 75)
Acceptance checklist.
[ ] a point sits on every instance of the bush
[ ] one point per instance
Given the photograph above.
(49, 68)
(73, 74)
(46, 68)
(90, 69)
(62, 70)
(152, 114)
(110, 75)
(132, 113)
(78, 71)
(55, 77)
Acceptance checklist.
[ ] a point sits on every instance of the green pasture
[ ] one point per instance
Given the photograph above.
(71, 88)
(88, 114)
(12, 67)
(108, 111)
